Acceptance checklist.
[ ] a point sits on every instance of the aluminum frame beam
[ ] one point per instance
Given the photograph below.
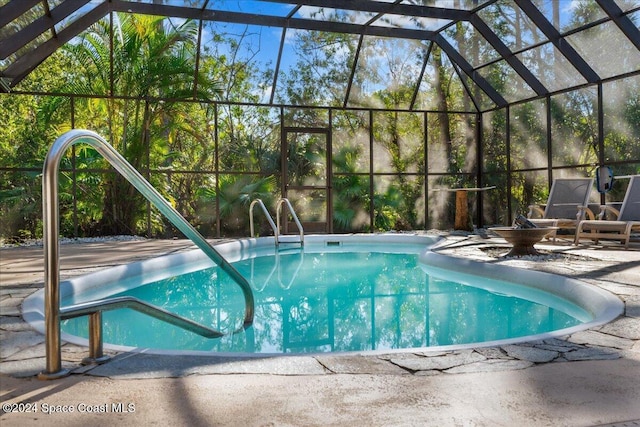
(621, 20)
(25, 64)
(508, 56)
(464, 65)
(384, 8)
(269, 21)
(558, 41)
(27, 34)
(14, 9)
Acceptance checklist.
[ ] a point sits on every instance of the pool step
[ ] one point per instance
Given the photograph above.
(290, 250)
(289, 239)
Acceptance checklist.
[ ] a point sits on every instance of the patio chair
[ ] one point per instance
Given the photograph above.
(566, 205)
(627, 219)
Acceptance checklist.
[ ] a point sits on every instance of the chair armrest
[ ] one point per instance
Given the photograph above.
(535, 210)
(604, 209)
(585, 213)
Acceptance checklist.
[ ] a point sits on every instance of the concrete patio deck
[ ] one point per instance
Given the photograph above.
(590, 378)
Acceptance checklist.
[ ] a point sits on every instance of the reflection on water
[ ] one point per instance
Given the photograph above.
(320, 302)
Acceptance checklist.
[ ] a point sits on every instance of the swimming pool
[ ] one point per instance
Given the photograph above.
(341, 293)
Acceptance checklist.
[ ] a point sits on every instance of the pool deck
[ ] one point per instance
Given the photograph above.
(590, 378)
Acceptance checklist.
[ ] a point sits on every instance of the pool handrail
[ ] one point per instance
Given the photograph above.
(282, 201)
(266, 214)
(94, 310)
(51, 225)
(133, 303)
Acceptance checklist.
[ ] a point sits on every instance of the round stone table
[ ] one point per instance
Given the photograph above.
(522, 239)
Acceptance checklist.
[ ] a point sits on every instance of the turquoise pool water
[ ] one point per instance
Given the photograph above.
(329, 298)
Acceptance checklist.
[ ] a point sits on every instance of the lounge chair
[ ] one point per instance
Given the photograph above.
(566, 205)
(627, 219)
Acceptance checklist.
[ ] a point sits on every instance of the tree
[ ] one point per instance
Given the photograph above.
(151, 70)
(24, 140)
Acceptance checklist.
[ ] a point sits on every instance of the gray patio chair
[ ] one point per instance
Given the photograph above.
(566, 205)
(627, 219)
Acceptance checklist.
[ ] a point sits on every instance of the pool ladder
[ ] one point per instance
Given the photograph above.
(276, 226)
(51, 223)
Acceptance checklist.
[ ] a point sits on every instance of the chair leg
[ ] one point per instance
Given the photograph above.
(578, 234)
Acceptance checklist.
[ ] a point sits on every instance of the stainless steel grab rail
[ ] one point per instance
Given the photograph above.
(266, 213)
(51, 223)
(94, 310)
(293, 214)
(274, 227)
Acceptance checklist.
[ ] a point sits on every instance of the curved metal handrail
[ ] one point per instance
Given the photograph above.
(51, 225)
(293, 214)
(88, 308)
(266, 213)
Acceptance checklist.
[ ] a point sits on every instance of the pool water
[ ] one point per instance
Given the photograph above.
(331, 299)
